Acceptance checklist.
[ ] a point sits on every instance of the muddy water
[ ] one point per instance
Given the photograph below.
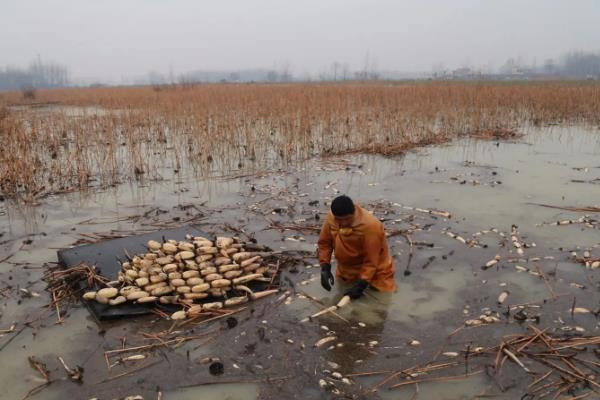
(216, 392)
(484, 184)
(538, 169)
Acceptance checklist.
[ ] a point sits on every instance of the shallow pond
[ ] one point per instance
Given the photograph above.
(483, 184)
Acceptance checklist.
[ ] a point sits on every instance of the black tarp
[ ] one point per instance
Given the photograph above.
(106, 256)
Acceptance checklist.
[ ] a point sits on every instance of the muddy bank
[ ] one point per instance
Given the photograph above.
(487, 187)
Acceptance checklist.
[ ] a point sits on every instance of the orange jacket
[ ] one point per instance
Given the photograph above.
(361, 253)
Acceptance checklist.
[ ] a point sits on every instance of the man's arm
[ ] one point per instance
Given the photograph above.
(325, 243)
(371, 248)
(325, 249)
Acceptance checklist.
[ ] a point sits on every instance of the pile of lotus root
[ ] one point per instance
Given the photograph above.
(181, 272)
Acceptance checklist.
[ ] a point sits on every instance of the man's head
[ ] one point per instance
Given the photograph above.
(342, 208)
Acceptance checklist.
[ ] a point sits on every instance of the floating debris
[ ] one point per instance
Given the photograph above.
(322, 342)
(503, 296)
(135, 357)
(580, 310)
(515, 240)
(456, 237)
(343, 302)
(333, 365)
(492, 262)
(450, 354)
(444, 214)
(486, 318)
(576, 285)
(585, 220)
(328, 386)
(588, 260)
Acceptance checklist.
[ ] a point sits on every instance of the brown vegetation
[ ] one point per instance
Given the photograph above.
(103, 136)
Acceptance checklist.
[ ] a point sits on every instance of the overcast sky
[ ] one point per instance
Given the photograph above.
(110, 39)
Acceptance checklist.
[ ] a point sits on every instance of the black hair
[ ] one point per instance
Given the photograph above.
(342, 206)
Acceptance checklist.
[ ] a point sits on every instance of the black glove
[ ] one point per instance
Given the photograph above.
(357, 290)
(326, 276)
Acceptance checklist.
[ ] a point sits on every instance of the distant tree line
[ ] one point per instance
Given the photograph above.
(575, 64)
(571, 65)
(242, 75)
(581, 64)
(335, 72)
(38, 75)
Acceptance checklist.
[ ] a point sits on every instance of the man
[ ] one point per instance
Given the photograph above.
(358, 240)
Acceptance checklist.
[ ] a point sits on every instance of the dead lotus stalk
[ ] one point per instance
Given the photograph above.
(343, 302)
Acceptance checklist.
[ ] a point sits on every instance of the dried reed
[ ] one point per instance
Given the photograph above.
(104, 136)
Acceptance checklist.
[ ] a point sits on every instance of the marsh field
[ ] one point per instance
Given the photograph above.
(489, 192)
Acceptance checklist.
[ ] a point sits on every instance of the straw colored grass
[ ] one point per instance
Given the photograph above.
(76, 138)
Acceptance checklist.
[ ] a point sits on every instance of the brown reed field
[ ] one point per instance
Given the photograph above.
(74, 139)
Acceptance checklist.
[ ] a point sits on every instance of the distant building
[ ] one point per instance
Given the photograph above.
(463, 73)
